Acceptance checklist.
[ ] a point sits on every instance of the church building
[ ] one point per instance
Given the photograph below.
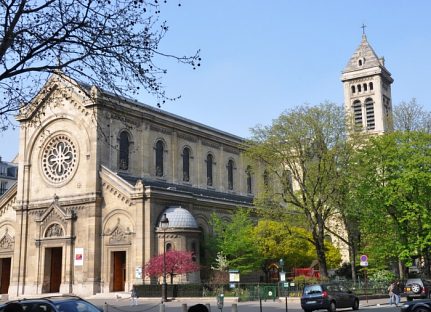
(97, 172)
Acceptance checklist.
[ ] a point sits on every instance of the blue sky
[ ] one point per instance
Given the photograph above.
(260, 58)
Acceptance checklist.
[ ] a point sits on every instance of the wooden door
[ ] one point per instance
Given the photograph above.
(5, 275)
(55, 271)
(119, 270)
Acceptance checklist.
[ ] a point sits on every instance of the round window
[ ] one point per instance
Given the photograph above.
(59, 159)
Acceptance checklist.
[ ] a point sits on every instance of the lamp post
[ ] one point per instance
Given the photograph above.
(283, 279)
(164, 223)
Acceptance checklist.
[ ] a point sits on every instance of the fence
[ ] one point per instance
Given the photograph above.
(251, 292)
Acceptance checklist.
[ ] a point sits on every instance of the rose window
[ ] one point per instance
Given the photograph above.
(59, 158)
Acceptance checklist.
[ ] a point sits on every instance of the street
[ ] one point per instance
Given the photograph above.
(124, 305)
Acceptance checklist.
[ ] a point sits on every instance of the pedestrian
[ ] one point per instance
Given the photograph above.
(13, 307)
(198, 308)
(391, 293)
(134, 296)
(396, 293)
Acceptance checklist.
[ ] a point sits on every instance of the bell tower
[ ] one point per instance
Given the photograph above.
(367, 91)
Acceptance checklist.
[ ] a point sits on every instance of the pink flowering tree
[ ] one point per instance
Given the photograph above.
(177, 262)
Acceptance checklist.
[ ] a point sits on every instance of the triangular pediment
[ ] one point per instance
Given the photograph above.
(54, 211)
(56, 84)
(119, 187)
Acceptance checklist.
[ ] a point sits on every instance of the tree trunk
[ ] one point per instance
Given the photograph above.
(320, 250)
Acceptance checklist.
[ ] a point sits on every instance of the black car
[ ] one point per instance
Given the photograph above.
(328, 296)
(417, 288)
(55, 304)
(422, 305)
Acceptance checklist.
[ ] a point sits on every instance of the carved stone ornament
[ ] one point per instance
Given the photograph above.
(59, 159)
(118, 236)
(7, 242)
(54, 230)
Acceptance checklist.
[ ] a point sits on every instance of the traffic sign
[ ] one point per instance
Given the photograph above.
(364, 260)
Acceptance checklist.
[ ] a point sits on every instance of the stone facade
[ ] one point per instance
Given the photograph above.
(96, 173)
(367, 91)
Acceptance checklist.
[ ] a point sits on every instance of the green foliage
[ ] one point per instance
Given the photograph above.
(277, 240)
(300, 152)
(394, 176)
(234, 238)
(380, 276)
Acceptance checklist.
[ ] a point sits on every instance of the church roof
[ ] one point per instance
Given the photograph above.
(366, 55)
(194, 191)
(179, 217)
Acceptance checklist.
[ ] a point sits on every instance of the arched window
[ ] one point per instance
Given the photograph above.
(124, 151)
(360, 62)
(230, 174)
(194, 251)
(249, 185)
(359, 88)
(209, 170)
(353, 89)
(186, 164)
(159, 158)
(168, 247)
(371, 86)
(369, 110)
(365, 87)
(357, 113)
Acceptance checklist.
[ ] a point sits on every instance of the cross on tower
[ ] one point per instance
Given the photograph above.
(363, 28)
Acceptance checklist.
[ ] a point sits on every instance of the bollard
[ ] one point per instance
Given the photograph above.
(184, 307)
(105, 307)
(208, 307)
(234, 307)
(162, 307)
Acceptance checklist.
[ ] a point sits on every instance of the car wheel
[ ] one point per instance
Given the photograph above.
(307, 310)
(416, 288)
(332, 307)
(421, 309)
(355, 304)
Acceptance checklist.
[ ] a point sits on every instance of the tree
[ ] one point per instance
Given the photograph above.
(235, 240)
(276, 240)
(111, 44)
(394, 176)
(177, 262)
(410, 116)
(299, 152)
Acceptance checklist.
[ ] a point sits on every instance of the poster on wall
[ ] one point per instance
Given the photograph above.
(138, 272)
(79, 256)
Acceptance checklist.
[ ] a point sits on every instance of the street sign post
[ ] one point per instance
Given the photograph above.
(364, 260)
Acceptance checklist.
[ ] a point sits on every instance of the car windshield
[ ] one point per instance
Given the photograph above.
(75, 306)
(312, 289)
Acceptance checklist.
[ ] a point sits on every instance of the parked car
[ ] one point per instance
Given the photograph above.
(328, 296)
(55, 304)
(422, 305)
(417, 288)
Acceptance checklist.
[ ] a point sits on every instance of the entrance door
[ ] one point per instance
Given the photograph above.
(5, 275)
(119, 270)
(53, 259)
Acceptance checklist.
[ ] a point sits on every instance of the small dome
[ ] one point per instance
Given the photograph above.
(179, 218)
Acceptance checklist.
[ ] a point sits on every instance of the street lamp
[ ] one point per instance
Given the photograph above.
(164, 223)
